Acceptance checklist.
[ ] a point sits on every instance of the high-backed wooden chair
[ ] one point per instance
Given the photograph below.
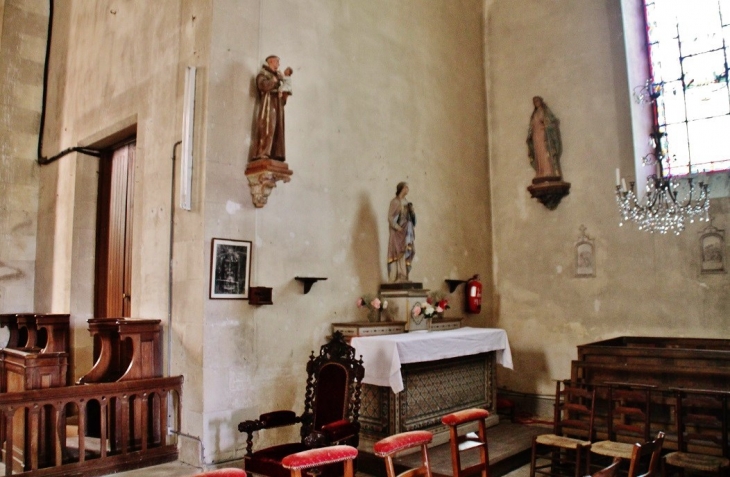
(627, 420)
(701, 419)
(392, 445)
(567, 447)
(646, 457)
(331, 411)
(468, 441)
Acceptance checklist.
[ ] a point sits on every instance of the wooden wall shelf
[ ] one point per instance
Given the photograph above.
(308, 282)
(453, 284)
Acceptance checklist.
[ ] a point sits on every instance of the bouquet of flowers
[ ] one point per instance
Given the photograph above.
(435, 305)
(374, 304)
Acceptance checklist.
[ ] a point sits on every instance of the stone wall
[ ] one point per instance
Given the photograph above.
(23, 27)
(573, 54)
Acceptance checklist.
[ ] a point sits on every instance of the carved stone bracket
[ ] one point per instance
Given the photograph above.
(549, 192)
(263, 174)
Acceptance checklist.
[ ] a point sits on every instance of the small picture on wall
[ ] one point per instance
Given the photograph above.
(585, 260)
(230, 269)
(712, 247)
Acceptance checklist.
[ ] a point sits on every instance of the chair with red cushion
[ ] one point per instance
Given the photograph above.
(468, 441)
(392, 445)
(229, 472)
(317, 458)
(330, 417)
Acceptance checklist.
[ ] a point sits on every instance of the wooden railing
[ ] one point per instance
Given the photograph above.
(121, 425)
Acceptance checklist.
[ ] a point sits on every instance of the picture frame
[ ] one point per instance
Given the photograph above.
(712, 250)
(230, 269)
(585, 256)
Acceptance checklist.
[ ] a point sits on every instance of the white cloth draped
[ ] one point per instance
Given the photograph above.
(383, 355)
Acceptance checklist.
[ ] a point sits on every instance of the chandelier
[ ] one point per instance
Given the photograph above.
(667, 204)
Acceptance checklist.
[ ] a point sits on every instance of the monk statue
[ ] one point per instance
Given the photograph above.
(274, 89)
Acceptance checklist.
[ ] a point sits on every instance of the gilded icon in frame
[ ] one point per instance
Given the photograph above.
(230, 268)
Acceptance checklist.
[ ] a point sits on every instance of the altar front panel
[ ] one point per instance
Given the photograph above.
(431, 390)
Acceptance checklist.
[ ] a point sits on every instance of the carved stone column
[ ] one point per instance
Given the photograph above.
(263, 174)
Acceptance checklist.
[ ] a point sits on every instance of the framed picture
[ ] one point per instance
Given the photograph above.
(712, 248)
(230, 269)
(585, 259)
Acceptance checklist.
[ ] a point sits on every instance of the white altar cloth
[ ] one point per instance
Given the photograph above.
(383, 355)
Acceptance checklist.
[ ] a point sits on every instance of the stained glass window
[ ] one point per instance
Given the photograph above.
(688, 50)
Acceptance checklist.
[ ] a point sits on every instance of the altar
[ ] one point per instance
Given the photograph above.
(413, 379)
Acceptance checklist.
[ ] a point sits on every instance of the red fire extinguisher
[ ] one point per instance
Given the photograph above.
(474, 295)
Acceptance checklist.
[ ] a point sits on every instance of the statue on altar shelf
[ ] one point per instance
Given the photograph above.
(401, 239)
(544, 145)
(274, 89)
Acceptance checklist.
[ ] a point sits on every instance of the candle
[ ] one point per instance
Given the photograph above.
(623, 185)
(618, 177)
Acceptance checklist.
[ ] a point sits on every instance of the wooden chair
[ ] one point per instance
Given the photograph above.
(574, 413)
(392, 445)
(627, 420)
(228, 472)
(314, 459)
(651, 451)
(609, 471)
(331, 411)
(468, 441)
(701, 418)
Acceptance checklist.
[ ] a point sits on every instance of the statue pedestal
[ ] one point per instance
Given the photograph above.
(402, 297)
(263, 174)
(549, 191)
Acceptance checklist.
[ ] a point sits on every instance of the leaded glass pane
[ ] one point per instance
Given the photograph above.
(677, 146)
(664, 61)
(699, 26)
(710, 141)
(672, 104)
(707, 101)
(687, 49)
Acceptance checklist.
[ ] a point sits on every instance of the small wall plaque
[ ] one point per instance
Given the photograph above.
(585, 257)
(712, 250)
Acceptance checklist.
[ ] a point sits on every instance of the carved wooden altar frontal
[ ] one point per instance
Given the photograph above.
(432, 389)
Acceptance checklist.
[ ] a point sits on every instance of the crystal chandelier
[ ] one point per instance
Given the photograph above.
(667, 204)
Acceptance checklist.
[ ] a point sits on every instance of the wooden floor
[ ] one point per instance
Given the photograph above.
(509, 455)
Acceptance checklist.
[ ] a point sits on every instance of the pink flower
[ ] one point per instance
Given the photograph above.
(439, 309)
(360, 302)
(375, 303)
(416, 311)
(429, 300)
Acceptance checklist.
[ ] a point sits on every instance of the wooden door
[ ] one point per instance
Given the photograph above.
(113, 296)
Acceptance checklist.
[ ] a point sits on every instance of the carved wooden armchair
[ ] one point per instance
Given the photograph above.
(331, 411)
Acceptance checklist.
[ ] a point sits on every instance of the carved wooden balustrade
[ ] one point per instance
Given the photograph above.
(133, 427)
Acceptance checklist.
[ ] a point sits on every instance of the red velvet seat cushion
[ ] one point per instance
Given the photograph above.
(318, 457)
(467, 415)
(402, 441)
(268, 461)
(232, 472)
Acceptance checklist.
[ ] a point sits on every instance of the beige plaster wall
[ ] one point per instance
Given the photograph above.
(22, 49)
(380, 97)
(572, 53)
